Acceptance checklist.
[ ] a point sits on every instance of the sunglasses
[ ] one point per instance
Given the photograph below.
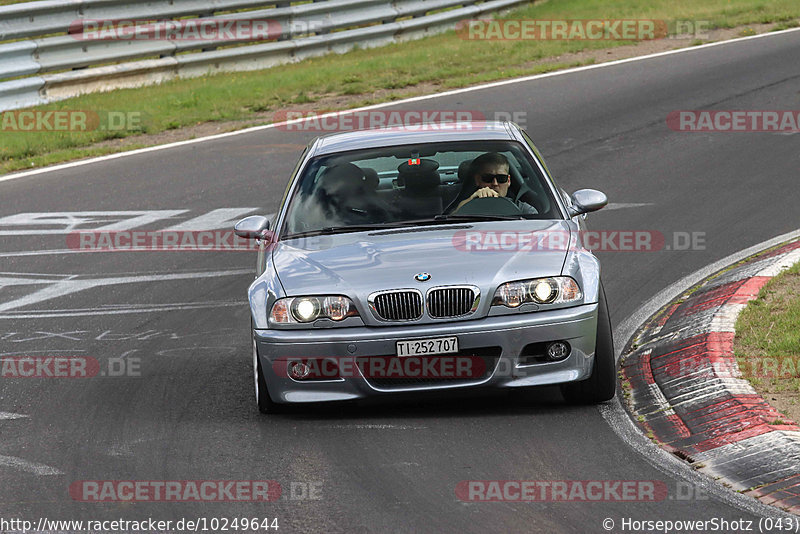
(489, 178)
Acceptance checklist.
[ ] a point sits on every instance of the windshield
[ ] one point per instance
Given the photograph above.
(418, 184)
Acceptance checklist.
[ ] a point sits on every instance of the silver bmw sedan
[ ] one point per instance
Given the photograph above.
(431, 258)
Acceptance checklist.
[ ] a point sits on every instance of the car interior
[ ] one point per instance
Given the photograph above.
(410, 183)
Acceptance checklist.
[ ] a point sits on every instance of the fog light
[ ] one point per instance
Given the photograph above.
(557, 350)
(298, 370)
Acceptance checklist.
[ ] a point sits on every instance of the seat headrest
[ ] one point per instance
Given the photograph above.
(371, 180)
(344, 178)
(463, 170)
(421, 177)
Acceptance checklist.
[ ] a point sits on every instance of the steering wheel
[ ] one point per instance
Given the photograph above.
(490, 206)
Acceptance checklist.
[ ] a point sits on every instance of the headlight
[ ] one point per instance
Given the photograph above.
(306, 309)
(293, 310)
(511, 294)
(337, 308)
(553, 290)
(543, 291)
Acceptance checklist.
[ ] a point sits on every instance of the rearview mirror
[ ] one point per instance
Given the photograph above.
(587, 200)
(252, 227)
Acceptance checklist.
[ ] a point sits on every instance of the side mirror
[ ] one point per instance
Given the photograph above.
(587, 200)
(252, 227)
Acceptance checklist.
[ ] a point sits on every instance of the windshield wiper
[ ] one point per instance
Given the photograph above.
(330, 230)
(457, 217)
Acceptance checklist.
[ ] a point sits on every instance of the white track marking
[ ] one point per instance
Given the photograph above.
(122, 309)
(623, 205)
(219, 218)
(20, 464)
(368, 426)
(51, 252)
(725, 318)
(19, 281)
(778, 267)
(59, 288)
(389, 104)
(72, 220)
(28, 352)
(28, 467)
(6, 416)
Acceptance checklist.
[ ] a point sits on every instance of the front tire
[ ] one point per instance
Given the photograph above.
(602, 385)
(263, 400)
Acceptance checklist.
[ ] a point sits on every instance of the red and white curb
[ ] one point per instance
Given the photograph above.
(688, 391)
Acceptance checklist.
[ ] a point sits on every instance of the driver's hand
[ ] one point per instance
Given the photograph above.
(485, 192)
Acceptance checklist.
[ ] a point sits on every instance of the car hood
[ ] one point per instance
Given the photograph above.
(482, 254)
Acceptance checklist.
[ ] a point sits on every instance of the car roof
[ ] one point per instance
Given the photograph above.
(430, 133)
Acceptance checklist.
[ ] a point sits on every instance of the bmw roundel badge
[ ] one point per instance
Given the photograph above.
(422, 277)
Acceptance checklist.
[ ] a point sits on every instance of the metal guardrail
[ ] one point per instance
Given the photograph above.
(30, 19)
(53, 67)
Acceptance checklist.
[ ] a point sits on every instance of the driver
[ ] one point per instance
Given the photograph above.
(490, 172)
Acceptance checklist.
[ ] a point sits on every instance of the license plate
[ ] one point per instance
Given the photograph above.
(419, 347)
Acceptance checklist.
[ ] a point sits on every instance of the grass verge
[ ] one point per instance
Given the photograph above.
(361, 77)
(767, 343)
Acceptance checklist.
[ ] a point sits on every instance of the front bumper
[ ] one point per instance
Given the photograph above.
(508, 335)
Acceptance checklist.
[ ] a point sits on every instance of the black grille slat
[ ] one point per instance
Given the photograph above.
(450, 301)
(398, 306)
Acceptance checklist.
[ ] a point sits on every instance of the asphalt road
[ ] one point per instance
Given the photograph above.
(180, 318)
